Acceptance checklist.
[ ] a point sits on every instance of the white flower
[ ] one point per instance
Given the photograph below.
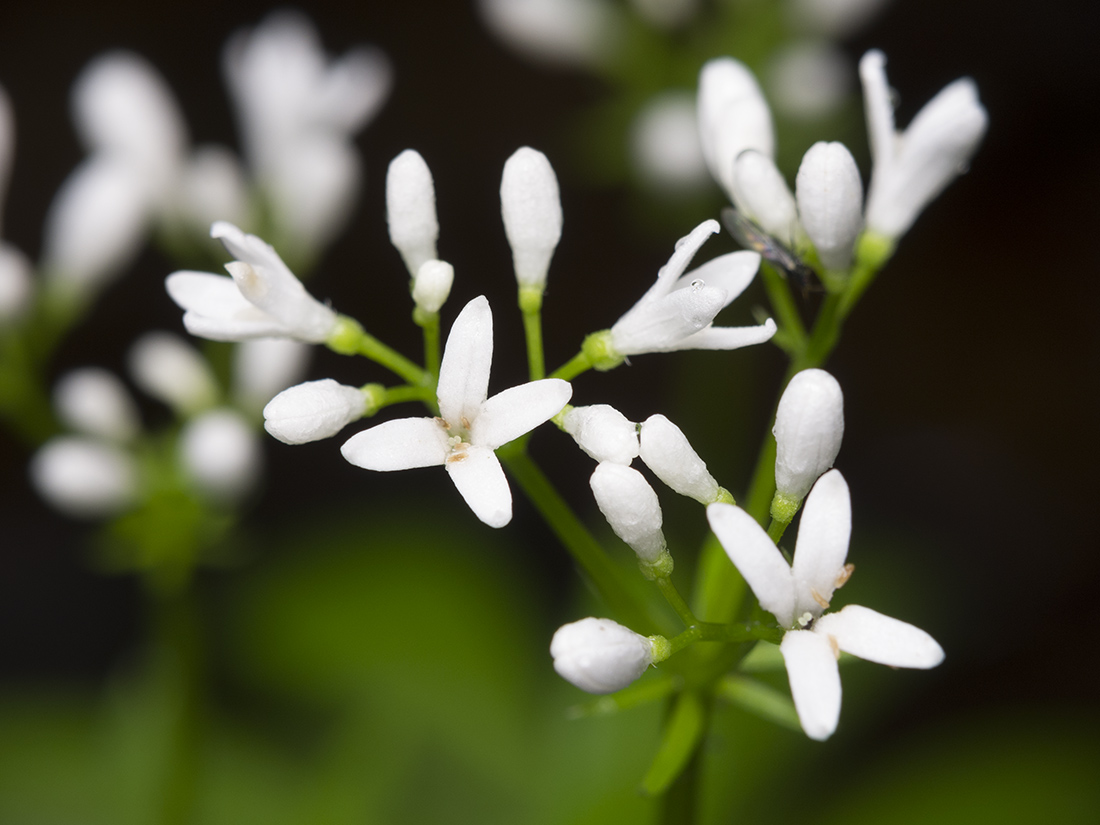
(799, 594)
(84, 477)
(761, 194)
(212, 187)
(666, 451)
(835, 19)
(432, 285)
(313, 410)
(221, 453)
(809, 79)
(263, 367)
(95, 402)
(910, 169)
(531, 207)
(410, 210)
(603, 433)
(631, 508)
(809, 426)
(599, 655)
(580, 32)
(471, 425)
(263, 299)
(172, 371)
(733, 117)
(664, 143)
(830, 202)
(676, 313)
(16, 284)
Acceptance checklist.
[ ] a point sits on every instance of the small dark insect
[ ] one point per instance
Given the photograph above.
(751, 236)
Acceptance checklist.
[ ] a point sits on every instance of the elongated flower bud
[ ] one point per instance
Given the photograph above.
(264, 367)
(313, 410)
(603, 432)
(666, 451)
(761, 193)
(599, 655)
(95, 402)
(221, 453)
(173, 372)
(410, 209)
(83, 477)
(432, 285)
(733, 117)
(531, 207)
(631, 508)
(809, 426)
(16, 284)
(830, 202)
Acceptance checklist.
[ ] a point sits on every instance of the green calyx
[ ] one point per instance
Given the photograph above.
(601, 354)
(346, 336)
(783, 508)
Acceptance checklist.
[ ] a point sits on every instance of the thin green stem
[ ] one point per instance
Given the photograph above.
(573, 367)
(430, 324)
(532, 328)
(392, 360)
(782, 301)
(673, 597)
(776, 530)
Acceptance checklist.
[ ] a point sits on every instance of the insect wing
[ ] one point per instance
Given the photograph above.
(747, 233)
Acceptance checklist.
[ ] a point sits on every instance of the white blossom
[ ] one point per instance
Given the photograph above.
(263, 299)
(809, 80)
(830, 202)
(432, 285)
(761, 194)
(835, 19)
(84, 477)
(603, 433)
(566, 32)
(799, 594)
(530, 205)
(809, 426)
(599, 655)
(410, 210)
(664, 143)
(313, 410)
(677, 311)
(221, 454)
(911, 168)
(263, 367)
(16, 284)
(666, 451)
(733, 117)
(631, 508)
(95, 402)
(212, 187)
(470, 425)
(170, 370)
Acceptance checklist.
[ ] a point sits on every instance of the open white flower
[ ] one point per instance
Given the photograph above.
(599, 655)
(677, 311)
(470, 425)
(263, 299)
(799, 594)
(912, 168)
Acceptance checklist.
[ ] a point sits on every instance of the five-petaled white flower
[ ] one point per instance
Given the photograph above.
(263, 299)
(798, 595)
(470, 425)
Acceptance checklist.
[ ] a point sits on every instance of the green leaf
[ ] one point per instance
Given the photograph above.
(761, 700)
(683, 731)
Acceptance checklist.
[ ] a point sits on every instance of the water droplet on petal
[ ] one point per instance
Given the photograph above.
(697, 285)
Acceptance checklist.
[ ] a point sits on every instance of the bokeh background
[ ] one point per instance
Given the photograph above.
(376, 655)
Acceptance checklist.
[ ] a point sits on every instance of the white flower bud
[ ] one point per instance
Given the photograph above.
(432, 285)
(761, 193)
(631, 508)
(603, 432)
(221, 453)
(830, 202)
(83, 477)
(836, 19)
(581, 32)
(95, 402)
(664, 143)
(808, 80)
(313, 410)
(531, 207)
(809, 426)
(16, 285)
(410, 210)
(666, 451)
(213, 188)
(599, 655)
(170, 370)
(263, 367)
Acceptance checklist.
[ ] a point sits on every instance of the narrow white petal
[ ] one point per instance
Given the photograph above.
(410, 209)
(757, 558)
(725, 337)
(815, 681)
(879, 108)
(401, 444)
(467, 359)
(877, 638)
(660, 325)
(731, 272)
(510, 414)
(95, 402)
(531, 207)
(480, 479)
(215, 308)
(733, 117)
(354, 88)
(822, 544)
(830, 202)
(760, 192)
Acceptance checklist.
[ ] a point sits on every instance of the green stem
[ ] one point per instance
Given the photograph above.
(573, 367)
(776, 530)
(392, 360)
(586, 551)
(430, 324)
(532, 328)
(673, 597)
(782, 301)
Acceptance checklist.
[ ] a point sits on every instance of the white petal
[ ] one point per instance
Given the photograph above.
(401, 444)
(666, 451)
(879, 108)
(731, 272)
(354, 88)
(221, 453)
(725, 337)
(830, 202)
(733, 117)
(212, 188)
(172, 371)
(410, 209)
(531, 207)
(95, 402)
(217, 310)
(566, 32)
(599, 655)
(815, 681)
(822, 544)
(808, 80)
(266, 366)
(480, 479)
(761, 193)
(16, 282)
(510, 414)
(757, 558)
(467, 359)
(660, 325)
(630, 507)
(603, 433)
(664, 143)
(432, 285)
(84, 477)
(313, 410)
(809, 429)
(877, 638)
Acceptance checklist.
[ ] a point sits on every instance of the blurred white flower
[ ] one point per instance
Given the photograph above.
(212, 187)
(95, 402)
(808, 80)
(264, 367)
(835, 19)
(16, 284)
(567, 32)
(410, 210)
(313, 410)
(84, 477)
(221, 453)
(798, 594)
(530, 205)
(664, 143)
(172, 371)
(599, 655)
(470, 425)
